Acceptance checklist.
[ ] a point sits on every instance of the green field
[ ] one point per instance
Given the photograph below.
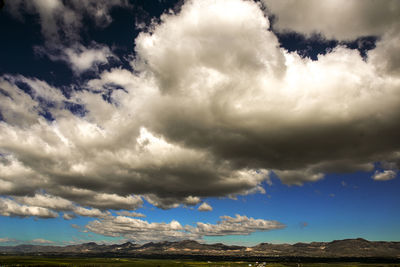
(71, 261)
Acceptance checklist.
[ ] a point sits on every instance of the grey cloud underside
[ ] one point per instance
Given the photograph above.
(214, 106)
(337, 19)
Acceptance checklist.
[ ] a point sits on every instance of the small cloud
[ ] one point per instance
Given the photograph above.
(41, 241)
(332, 195)
(131, 214)
(93, 212)
(238, 225)
(9, 207)
(205, 207)
(69, 216)
(384, 176)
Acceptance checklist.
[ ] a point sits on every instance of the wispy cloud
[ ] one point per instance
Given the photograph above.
(131, 214)
(61, 26)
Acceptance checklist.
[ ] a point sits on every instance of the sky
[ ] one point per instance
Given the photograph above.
(233, 121)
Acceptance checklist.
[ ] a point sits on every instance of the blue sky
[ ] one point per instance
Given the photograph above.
(338, 207)
(221, 121)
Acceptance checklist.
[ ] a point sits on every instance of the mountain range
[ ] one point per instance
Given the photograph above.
(339, 248)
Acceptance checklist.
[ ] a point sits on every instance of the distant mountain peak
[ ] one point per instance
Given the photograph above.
(357, 247)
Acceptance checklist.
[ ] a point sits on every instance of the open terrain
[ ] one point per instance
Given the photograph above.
(79, 261)
(344, 253)
(348, 248)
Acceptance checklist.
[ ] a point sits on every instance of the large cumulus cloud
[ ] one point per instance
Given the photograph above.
(212, 107)
(251, 103)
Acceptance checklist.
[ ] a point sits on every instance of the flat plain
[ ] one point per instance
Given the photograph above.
(80, 261)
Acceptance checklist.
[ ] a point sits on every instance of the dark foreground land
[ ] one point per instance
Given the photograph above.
(80, 261)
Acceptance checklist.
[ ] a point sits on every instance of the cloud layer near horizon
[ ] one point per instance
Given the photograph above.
(212, 107)
(142, 231)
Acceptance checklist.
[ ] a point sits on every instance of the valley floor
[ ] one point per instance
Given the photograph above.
(75, 261)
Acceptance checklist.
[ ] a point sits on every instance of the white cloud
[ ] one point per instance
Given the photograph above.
(21, 109)
(82, 58)
(239, 225)
(8, 207)
(386, 54)
(91, 212)
(143, 231)
(205, 207)
(345, 20)
(61, 24)
(384, 175)
(131, 214)
(61, 21)
(98, 200)
(41, 241)
(139, 230)
(47, 201)
(56, 204)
